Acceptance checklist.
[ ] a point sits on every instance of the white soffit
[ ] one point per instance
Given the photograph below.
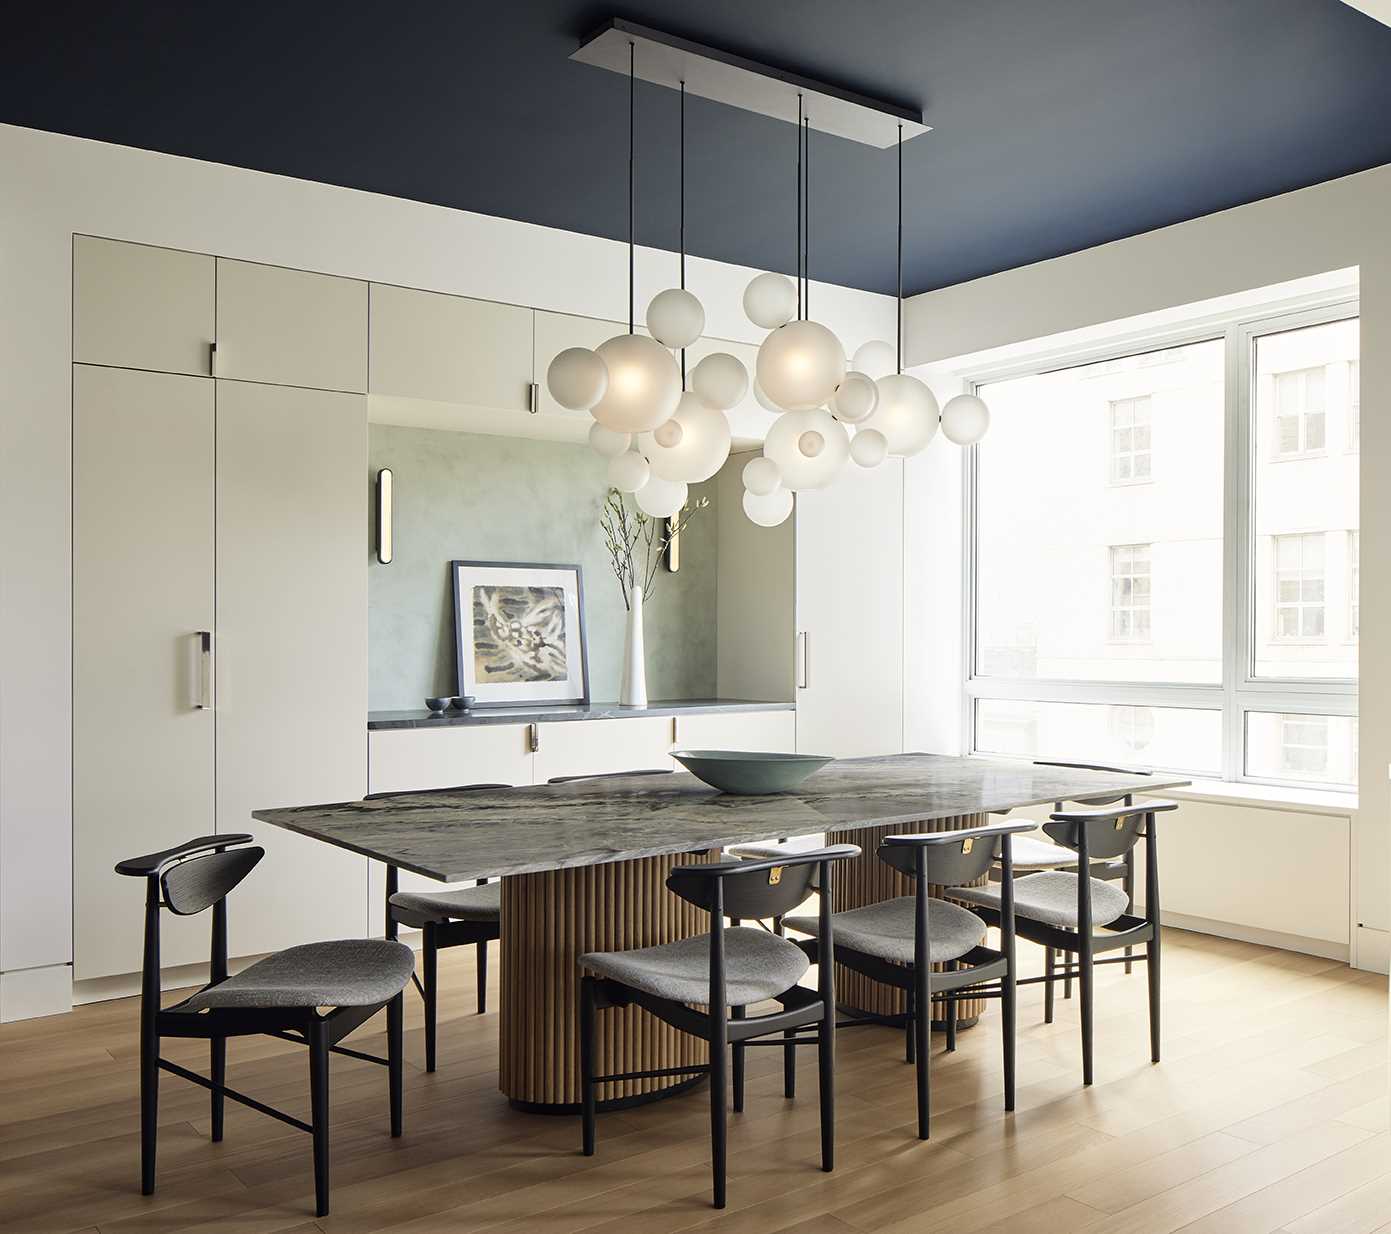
(1379, 9)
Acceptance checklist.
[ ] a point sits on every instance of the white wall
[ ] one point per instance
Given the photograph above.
(1331, 226)
(54, 186)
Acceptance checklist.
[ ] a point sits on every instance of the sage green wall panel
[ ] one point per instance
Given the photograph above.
(462, 495)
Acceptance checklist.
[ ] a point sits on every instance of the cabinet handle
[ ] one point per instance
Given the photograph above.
(533, 737)
(203, 697)
(533, 396)
(212, 359)
(803, 659)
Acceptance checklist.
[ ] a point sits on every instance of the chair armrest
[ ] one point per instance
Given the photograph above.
(1151, 805)
(718, 869)
(932, 838)
(152, 863)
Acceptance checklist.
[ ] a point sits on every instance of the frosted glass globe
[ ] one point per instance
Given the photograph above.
(676, 318)
(628, 472)
(875, 359)
(604, 441)
(800, 365)
(698, 447)
(764, 401)
(577, 378)
(770, 300)
(869, 447)
(906, 414)
(761, 476)
(965, 419)
(661, 498)
(809, 448)
(856, 398)
(644, 384)
(768, 510)
(721, 380)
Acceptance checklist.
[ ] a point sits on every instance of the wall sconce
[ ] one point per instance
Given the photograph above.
(384, 516)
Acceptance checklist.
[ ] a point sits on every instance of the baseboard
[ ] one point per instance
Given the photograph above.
(1372, 949)
(1263, 938)
(28, 993)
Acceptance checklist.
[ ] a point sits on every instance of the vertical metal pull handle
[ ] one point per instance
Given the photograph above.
(533, 737)
(212, 359)
(533, 396)
(203, 698)
(803, 660)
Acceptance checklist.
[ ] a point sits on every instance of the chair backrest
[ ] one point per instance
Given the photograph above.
(1104, 799)
(753, 890)
(1103, 833)
(197, 883)
(950, 858)
(613, 775)
(433, 792)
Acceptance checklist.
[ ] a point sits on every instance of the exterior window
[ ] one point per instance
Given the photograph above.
(1354, 584)
(1299, 412)
(1130, 593)
(1304, 745)
(1299, 598)
(1130, 440)
(1354, 404)
(1132, 728)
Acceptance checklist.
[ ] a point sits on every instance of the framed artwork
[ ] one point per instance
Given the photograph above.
(519, 633)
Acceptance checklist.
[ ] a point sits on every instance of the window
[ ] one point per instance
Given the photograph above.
(1299, 412)
(1130, 593)
(1187, 615)
(1130, 440)
(1354, 404)
(1354, 584)
(1299, 604)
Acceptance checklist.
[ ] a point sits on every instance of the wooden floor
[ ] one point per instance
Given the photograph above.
(1269, 1113)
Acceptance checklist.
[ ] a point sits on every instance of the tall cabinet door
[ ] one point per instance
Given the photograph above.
(850, 614)
(142, 593)
(292, 648)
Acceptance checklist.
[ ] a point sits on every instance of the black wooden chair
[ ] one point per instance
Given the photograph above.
(1063, 912)
(463, 917)
(724, 972)
(920, 943)
(315, 994)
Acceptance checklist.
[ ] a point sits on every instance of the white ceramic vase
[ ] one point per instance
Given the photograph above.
(634, 691)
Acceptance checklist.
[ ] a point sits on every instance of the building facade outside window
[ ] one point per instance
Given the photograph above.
(1299, 412)
(1354, 584)
(1304, 745)
(1354, 404)
(1130, 593)
(1299, 587)
(1130, 440)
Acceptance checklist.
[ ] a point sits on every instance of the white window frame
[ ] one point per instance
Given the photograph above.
(1303, 538)
(1115, 455)
(1302, 448)
(1240, 690)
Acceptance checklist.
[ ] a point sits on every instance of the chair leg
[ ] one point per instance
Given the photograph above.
(737, 1013)
(909, 1053)
(1048, 967)
(778, 927)
(1008, 993)
(482, 966)
(951, 1013)
(789, 1067)
(149, 1108)
(218, 1068)
(395, 1054)
(922, 1045)
(1086, 980)
(826, 1081)
(1152, 964)
(1128, 884)
(318, 1101)
(1067, 974)
(718, 1117)
(587, 1100)
(430, 950)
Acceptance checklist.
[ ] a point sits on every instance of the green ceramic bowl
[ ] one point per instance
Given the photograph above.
(749, 774)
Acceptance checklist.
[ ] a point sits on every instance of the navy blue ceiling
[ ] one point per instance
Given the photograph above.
(1060, 124)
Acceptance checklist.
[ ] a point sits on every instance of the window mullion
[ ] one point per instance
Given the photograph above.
(1236, 547)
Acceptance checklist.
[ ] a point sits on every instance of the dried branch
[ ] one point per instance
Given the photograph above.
(636, 542)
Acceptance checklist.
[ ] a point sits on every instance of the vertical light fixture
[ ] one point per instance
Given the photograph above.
(385, 514)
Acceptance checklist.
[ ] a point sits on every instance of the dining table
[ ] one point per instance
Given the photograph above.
(584, 867)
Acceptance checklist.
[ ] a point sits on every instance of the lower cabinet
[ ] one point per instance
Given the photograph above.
(768, 732)
(593, 747)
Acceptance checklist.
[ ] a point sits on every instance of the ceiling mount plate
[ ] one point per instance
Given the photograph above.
(666, 60)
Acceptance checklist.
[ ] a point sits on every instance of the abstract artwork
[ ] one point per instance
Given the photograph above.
(519, 630)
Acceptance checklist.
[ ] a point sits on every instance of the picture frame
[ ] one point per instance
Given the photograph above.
(519, 633)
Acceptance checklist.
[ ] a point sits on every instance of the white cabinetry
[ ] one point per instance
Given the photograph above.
(770, 732)
(592, 747)
(449, 349)
(290, 327)
(556, 332)
(850, 614)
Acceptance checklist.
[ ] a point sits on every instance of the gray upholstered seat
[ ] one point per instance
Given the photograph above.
(758, 965)
(885, 929)
(773, 849)
(1051, 897)
(352, 972)
(466, 904)
(1030, 853)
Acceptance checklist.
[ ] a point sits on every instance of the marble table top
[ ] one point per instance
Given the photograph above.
(493, 832)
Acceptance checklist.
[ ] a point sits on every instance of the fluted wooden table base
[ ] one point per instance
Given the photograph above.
(867, 880)
(548, 921)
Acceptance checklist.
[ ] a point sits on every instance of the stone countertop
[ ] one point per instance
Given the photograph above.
(493, 832)
(378, 720)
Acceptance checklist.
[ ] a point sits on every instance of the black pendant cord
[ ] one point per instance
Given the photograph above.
(799, 207)
(681, 229)
(898, 339)
(631, 82)
(806, 230)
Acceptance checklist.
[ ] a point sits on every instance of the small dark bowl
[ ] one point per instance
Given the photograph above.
(461, 702)
(436, 705)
